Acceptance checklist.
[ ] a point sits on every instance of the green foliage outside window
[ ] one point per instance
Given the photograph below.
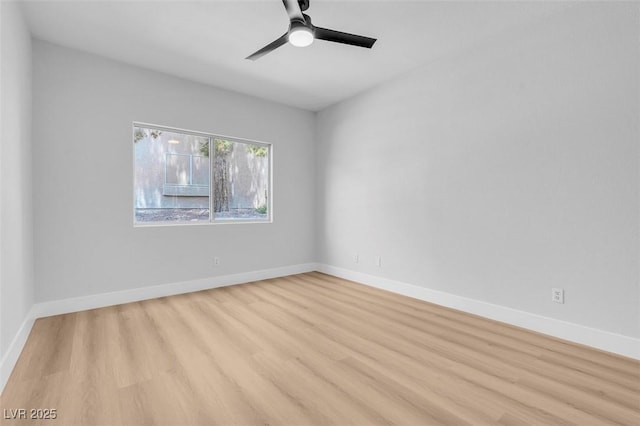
(258, 151)
(141, 134)
(223, 148)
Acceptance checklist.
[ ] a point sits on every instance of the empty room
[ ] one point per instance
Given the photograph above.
(314, 212)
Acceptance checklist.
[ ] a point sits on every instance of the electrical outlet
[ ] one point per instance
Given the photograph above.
(216, 261)
(557, 295)
(378, 261)
(356, 258)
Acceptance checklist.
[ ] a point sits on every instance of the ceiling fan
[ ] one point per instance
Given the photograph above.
(302, 32)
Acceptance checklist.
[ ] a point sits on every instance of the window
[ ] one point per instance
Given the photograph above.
(192, 177)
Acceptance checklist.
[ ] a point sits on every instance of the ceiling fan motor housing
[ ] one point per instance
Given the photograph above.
(294, 25)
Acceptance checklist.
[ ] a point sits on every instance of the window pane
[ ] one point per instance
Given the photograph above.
(241, 181)
(172, 174)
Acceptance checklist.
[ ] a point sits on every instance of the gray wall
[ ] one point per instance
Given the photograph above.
(84, 106)
(16, 206)
(499, 173)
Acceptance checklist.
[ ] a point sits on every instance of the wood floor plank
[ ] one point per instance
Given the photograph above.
(622, 371)
(310, 349)
(438, 361)
(49, 351)
(579, 398)
(606, 360)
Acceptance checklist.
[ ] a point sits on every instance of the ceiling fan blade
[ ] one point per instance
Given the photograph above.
(346, 38)
(269, 47)
(293, 10)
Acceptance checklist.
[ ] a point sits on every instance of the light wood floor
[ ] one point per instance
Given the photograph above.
(311, 349)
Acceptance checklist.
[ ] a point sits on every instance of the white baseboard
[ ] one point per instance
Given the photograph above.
(15, 348)
(607, 341)
(611, 342)
(75, 304)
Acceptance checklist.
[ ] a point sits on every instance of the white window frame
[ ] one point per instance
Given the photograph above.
(211, 136)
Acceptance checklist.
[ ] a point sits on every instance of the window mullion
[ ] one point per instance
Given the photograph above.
(212, 162)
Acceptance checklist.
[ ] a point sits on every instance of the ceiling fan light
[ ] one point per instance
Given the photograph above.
(301, 36)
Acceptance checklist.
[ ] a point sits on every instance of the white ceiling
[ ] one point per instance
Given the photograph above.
(207, 41)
